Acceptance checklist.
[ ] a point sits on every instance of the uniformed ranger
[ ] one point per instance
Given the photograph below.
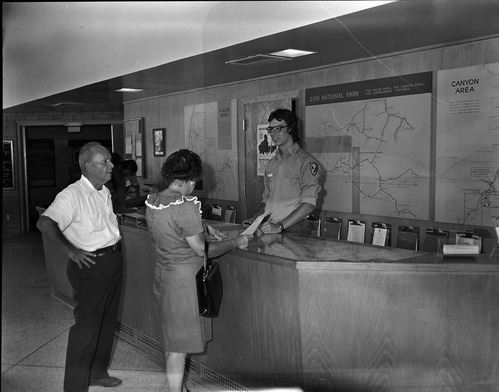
(291, 179)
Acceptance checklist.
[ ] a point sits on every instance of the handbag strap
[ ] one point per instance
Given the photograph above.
(207, 261)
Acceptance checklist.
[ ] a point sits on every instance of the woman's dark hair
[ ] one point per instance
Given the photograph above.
(116, 159)
(290, 119)
(182, 165)
(129, 165)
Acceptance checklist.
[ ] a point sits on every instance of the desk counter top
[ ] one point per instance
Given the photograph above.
(310, 252)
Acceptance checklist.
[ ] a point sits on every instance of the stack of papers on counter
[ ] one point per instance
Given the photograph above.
(460, 249)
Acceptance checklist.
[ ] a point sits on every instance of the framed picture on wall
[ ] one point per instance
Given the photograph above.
(135, 143)
(159, 139)
(7, 165)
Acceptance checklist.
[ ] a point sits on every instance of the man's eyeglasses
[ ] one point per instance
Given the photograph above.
(275, 129)
(103, 163)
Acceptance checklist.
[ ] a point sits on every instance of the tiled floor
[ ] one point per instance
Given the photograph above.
(35, 330)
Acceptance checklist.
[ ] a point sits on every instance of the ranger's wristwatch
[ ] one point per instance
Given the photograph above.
(280, 226)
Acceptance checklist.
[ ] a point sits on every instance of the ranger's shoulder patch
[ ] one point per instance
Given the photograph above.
(314, 168)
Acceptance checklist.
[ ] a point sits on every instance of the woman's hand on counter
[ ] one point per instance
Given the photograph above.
(214, 234)
(241, 241)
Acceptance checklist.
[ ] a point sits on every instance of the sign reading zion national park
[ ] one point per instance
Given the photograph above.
(373, 140)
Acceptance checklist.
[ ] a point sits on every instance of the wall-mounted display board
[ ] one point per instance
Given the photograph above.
(210, 130)
(134, 143)
(467, 147)
(40, 155)
(373, 140)
(7, 165)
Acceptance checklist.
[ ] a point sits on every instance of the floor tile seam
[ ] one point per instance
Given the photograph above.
(49, 317)
(10, 366)
(30, 286)
(20, 365)
(47, 342)
(111, 370)
(155, 372)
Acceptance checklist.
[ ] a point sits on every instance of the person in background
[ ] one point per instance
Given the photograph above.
(291, 179)
(174, 220)
(129, 172)
(124, 181)
(82, 223)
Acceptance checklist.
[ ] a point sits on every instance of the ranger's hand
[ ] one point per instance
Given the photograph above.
(270, 228)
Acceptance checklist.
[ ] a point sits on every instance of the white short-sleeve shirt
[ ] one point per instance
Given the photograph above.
(85, 215)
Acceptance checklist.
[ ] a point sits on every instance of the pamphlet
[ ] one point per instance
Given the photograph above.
(252, 228)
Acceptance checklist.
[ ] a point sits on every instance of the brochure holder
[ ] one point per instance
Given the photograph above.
(317, 223)
(469, 238)
(434, 237)
(356, 230)
(495, 222)
(216, 212)
(332, 227)
(230, 215)
(466, 247)
(408, 237)
(381, 233)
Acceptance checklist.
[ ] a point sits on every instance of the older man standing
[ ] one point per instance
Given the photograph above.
(81, 221)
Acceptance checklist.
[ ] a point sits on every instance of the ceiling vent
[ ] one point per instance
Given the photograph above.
(68, 104)
(258, 59)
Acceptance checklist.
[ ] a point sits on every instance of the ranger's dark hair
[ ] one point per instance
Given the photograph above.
(290, 119)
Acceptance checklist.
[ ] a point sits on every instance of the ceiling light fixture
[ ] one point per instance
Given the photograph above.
(68, 104)
(292, 53)
(258, 59)
(129, 90)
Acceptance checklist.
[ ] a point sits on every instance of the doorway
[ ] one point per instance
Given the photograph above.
(51, 156)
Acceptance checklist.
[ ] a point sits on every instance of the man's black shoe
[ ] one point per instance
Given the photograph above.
(107, 382)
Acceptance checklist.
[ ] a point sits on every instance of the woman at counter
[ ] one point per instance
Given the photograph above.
(174, 220)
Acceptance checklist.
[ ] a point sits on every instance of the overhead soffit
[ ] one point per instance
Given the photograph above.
(396, 27)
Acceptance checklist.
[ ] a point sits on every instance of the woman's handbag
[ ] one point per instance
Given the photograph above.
(209, 286)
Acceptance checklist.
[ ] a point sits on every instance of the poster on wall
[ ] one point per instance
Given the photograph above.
(134, 148)
(372, 139)
(210, 131)
(266, 148)
(7, 165)
(40, 155)
(467, 146)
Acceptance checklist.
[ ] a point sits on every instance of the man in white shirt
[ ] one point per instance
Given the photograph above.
(81, 221)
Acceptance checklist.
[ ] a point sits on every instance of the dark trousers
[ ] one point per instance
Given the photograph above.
(97, 292)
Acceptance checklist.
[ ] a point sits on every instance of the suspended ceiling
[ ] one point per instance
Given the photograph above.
(393, 27)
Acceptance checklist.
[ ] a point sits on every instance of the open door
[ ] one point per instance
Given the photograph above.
(51, 162)
(256, 112)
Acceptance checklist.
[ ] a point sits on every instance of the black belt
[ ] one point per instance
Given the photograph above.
(108, 250)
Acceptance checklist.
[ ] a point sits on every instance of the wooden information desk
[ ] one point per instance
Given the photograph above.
(330, 315)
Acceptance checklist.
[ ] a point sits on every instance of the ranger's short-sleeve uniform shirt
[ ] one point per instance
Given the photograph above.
(290, 180)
